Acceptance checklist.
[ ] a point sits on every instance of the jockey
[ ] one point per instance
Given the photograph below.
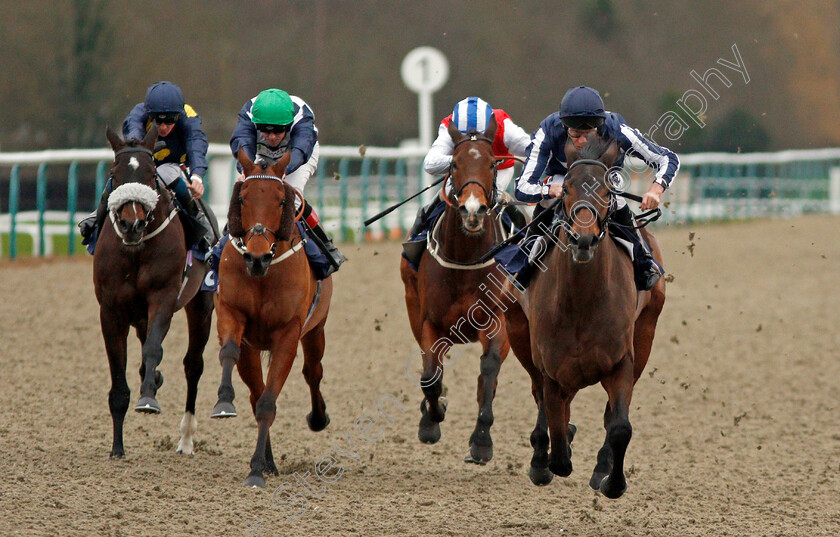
(275, 123)
(180, 149)
(581, 115)
(470, 114)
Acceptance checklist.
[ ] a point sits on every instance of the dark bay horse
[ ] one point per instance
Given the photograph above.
(447, 297)
(268, 299)
(582, 321)
(137, 274)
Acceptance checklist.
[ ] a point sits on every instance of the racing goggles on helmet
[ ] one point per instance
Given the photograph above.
(272, 129)
(165, 118)
(583, 122)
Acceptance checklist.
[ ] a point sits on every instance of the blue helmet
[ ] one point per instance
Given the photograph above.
(582, 108)
(472, 114)
(164, 97)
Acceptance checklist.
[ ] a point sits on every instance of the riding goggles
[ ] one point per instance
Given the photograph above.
(165, 118)
(269, 128)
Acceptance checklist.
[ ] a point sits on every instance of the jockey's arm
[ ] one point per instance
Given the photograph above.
(529, 187)
(439, 157)
(663, 160)
(134, 125)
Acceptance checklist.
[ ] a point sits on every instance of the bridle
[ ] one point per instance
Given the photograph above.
(567, 218)
(259, 230)
(490, 195)
(150, 216)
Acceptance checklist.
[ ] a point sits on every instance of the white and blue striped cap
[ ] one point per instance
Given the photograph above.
(472, 114)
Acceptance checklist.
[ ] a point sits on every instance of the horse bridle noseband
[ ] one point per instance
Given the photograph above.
(259, 230)
(150, 217)
(490, 196)
(567, 220)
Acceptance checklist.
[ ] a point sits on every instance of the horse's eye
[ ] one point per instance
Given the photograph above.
(454, 166)
(241, 201)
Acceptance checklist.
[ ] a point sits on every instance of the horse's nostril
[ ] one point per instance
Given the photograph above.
(248, 257)
(265, 259)
(463, 212)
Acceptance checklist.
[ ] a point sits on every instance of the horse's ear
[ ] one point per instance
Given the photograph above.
(244, 161)
(571, 152)
(287, 220)
(492, 125)
(610, 155)
(235, 212)
(114, 138)
(279, 167)
(454, 133)
(151, 137)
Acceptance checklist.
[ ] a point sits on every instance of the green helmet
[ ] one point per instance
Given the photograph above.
(272, 107)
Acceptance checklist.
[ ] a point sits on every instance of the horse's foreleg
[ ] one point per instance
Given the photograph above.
(282, 357)
(557, 405)
(231, 326)
(619, 386)
(115, 333)
(605, 457)
(313, 350)
(199, 316)
(495, 351)
(432, 409)
(160, 317)
(250, 371)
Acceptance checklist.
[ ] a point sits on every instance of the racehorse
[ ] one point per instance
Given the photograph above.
(265, 308)
(446, 297)
(137, 274)
(581, 321)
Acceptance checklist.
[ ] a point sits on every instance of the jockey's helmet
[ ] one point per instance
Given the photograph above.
(273, 110)
(472, 114)
(164, 101)
(582, 108)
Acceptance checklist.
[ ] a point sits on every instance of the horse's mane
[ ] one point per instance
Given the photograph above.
(287, 219)
(593, 149)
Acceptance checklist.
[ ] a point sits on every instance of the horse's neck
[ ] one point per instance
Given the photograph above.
(458, 246)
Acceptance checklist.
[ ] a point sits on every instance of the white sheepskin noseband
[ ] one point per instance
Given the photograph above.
(129, 192)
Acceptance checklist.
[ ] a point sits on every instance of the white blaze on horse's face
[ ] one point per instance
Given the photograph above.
(133, 163)
(475, 153)
(470, 214)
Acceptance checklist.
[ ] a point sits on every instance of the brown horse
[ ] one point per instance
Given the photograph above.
(447, 298)
(260, 308)
(137, 274)
(588, 324)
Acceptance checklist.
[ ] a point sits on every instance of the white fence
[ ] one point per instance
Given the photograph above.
(355, 183)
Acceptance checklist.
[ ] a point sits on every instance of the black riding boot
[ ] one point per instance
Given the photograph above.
(421, 221)
(93, 222)
(198, 230)
(542, 216)
(324, 242)
(645, 268)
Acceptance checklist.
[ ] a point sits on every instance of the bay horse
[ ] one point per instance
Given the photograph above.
(137, 275)
(260, 308)
(582, 321)
(446, 297)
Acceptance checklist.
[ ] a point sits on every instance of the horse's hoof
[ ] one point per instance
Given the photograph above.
(158, 380)
(479, 454)
(117, 455)
(223, 410)
(563, 470)
(596, 480)
(255, 481)
(271, 468)
(540, 476)
(319, 425)
(610, 491)
(429, 432)
(147, 405)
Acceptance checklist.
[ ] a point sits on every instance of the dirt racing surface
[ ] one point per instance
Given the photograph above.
(736, 428)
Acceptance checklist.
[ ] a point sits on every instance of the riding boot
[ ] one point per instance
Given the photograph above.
(646, 270)
(199, 232)
(324, 242)
(421, 221)
(535, 233)
(91, 225)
